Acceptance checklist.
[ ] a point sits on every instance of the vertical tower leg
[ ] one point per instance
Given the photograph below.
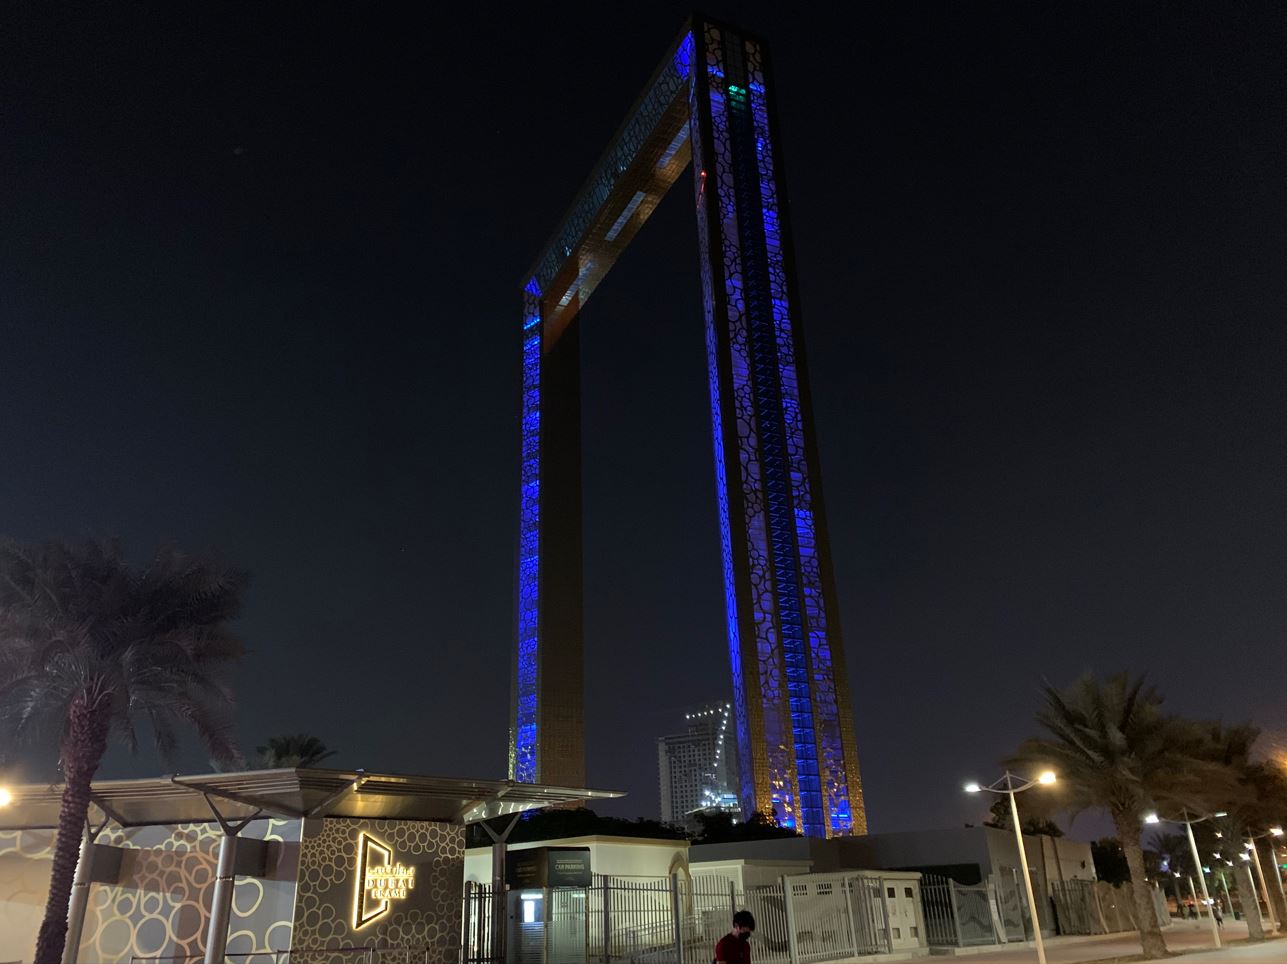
(547, 741)
(794, 732)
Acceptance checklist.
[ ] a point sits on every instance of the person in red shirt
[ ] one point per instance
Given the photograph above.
(735, 946)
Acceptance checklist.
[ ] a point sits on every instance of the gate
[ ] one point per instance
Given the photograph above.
(956, 915)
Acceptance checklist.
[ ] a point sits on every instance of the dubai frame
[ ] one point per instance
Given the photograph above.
(710, 101)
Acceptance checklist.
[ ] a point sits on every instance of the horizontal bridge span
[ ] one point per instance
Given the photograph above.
(644, 159)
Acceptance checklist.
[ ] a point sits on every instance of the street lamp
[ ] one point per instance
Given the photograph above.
(6, 797)
(1009, 785)
(1197, 862)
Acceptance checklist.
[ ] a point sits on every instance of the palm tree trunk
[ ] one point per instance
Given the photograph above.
(1274, 897)
(1128, 832)
(83, 746)
(1250, 905)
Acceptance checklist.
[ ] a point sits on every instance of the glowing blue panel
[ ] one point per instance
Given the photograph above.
(832, 777)
(524, 755)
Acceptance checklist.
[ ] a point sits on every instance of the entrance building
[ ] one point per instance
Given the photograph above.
(251, 865)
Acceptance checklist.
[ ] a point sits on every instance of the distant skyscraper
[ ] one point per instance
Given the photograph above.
(697, 769)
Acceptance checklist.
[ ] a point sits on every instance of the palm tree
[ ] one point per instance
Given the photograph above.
(1113, 748)
(1257, 802)
(299, 750)
(91, 646)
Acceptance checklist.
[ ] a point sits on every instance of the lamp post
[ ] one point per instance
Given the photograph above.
(1224, 885)
(6, 797)
(1009, 785)
(1197, 862)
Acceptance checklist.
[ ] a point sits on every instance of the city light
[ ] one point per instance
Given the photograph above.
(1220, 813)
(6, 797)
(1152, 818)
(1047, 777)
(1276, 831)
(972, 788)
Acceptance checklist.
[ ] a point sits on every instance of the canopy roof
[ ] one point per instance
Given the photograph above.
(293, 793)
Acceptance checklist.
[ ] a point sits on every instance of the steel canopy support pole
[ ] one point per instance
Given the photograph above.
(221, 906)
(500, 916)
(79, 902)
(225, 882)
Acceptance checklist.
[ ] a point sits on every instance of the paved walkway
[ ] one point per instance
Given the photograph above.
(1180, 937)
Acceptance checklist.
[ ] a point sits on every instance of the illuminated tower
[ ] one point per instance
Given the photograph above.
(710, 102)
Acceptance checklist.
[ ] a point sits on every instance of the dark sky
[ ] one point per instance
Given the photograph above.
(259, 272)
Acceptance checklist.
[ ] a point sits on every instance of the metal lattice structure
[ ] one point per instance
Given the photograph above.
(710, 102)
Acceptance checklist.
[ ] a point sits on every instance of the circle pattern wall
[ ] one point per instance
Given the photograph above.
(429, 918)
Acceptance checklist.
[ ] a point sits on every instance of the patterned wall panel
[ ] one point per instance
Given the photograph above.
(161, 905)
(25, 860)
(428, 918)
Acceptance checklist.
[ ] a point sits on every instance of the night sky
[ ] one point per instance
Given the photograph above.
(259, 290)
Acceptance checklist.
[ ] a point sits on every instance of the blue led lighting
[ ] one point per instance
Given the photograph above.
(524, 755)
(747, 788)
(791, 733)
(773, 740)
(831, 772)
(684, 57)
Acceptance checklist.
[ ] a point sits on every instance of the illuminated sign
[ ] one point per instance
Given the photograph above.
(380, 881)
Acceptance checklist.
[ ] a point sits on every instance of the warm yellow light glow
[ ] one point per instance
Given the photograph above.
(1276, 831)
(6, 797)
(380, 881)
(1047, 777)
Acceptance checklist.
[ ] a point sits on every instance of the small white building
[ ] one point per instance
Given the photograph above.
(609, 856)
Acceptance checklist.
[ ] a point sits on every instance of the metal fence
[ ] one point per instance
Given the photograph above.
(956, 915)
(477, 921)
(814, 918)
(832, 916)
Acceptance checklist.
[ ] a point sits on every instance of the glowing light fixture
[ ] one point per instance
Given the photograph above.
(972, 788)
(1047, 777)
(1152, 818)
(6, 797)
